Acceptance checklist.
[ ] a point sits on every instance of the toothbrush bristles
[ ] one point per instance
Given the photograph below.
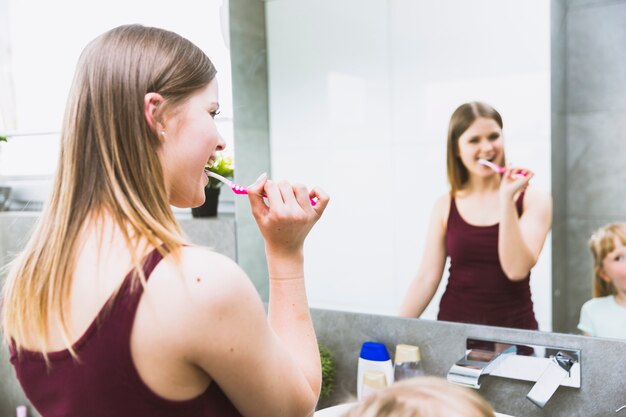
(240, 189)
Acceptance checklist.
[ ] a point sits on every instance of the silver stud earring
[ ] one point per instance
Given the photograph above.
(162, 132)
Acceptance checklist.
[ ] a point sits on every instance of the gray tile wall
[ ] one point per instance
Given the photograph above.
(15, 228)
(560, 305)
(251, 126)
(443, 343)
(588, 125)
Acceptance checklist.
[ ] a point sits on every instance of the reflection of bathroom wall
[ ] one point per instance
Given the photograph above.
(588, 125)
(361, 108)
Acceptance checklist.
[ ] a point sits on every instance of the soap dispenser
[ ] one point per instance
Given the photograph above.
(373, 358)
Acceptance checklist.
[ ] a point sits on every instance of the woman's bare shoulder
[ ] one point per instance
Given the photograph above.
(443, 201)
(441, 208)
(193, 307)
(202, 283)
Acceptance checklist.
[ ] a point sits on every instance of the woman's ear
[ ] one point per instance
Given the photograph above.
(151, 104)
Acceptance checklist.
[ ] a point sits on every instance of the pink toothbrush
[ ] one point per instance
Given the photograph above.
(498, 168)
(237, 189)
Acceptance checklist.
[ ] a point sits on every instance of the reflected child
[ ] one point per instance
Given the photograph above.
(605, 314)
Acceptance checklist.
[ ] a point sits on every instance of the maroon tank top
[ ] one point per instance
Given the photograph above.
(478, 290)
(104, 381)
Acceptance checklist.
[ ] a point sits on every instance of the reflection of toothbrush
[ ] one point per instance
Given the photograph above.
(237, 189)
(498, 168)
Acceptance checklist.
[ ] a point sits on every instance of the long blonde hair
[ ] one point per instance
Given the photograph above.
(461, 119)
(601, 243)
(423, 397)
(108, 165)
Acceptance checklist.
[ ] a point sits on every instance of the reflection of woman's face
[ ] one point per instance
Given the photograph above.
(482, 140)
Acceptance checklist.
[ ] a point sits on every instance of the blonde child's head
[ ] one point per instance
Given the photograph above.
(602, 242)
(423, 397)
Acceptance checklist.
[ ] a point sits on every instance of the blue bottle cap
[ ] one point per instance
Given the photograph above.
(374, 351)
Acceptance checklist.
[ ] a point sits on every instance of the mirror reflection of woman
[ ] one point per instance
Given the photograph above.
(492, 226)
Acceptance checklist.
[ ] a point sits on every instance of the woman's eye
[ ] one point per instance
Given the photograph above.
(215, 113)
(619, 258)
(494, 137)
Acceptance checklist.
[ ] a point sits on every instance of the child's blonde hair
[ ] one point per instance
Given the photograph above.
(602, 243)
(423, 397)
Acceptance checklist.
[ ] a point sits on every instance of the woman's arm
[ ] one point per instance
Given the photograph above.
(284, 226)
(521, 238)
(223, 330)
(425, 283)
(267, 366)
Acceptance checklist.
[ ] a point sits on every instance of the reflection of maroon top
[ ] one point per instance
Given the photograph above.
(478, 291)
(104, 382)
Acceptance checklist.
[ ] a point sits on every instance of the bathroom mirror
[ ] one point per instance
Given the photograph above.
(360, 96)
(362, 108)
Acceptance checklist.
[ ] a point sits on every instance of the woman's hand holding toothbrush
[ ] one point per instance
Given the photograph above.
(287, 218)
(514, 179)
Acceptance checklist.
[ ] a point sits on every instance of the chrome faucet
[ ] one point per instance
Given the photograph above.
(547, 366)
(558, 369)
(476, 363)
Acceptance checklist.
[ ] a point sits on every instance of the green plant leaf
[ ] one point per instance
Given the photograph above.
(328, 371)
(3, 138)
(224, 166)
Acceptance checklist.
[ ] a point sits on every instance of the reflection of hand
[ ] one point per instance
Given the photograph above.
(288, 217)
(513, 180)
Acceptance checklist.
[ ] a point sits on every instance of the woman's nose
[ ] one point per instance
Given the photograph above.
(486, 145)
(221, 144)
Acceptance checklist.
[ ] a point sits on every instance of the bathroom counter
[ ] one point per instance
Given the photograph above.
(443, 343)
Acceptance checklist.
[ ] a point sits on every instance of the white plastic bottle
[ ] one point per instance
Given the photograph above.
(407, 362)
(373, 358)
